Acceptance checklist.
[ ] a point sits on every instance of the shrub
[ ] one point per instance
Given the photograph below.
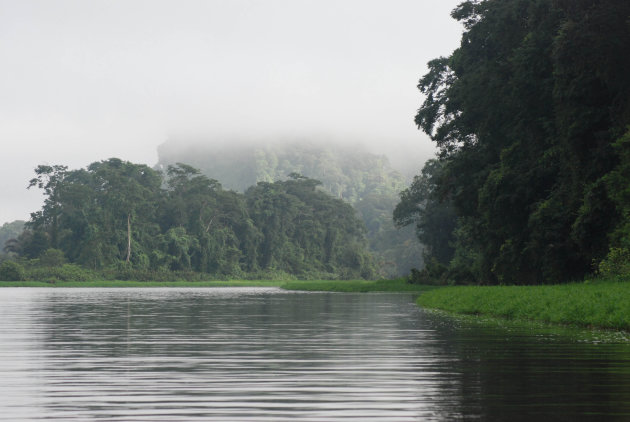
(125, 271)
(52, 258)
(617, 262)
(433, 273)
(66, 272)
(12, 271)
(270, 274)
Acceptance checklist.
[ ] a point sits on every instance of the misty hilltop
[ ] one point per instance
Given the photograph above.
(346, 171)
(349, 172)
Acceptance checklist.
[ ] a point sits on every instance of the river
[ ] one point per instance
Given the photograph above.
(264, 354)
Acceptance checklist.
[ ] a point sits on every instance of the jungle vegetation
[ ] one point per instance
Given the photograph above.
(10, 231)
(138, 222)
(365, 180)
(531, 116)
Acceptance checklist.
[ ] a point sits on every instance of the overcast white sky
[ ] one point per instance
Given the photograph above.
(85, 80)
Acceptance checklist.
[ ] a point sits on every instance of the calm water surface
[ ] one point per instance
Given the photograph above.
(239, 354)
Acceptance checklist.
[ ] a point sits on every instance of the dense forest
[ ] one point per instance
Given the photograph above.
(10, 231)
(119, 215)
(531, 115)
(364, 180)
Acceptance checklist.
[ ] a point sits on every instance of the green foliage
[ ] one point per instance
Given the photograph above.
(394, 248)
(10, 231)
(529, 114)
(12, 271)
(618, 190)
(433, 273)
(30, 244)
(356, 286)
(304, 229)
(432, 214)
(616, 263)
(52, 258)
(65, 272)
(271, 274)
(352, 174)
(346, 172)
(436, 273)
(125, 221)
(127, 273)
(604, 304)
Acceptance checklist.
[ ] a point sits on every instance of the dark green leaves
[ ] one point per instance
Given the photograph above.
(525, 113)
(125, 215)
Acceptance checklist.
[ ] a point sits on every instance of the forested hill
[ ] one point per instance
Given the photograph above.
(117, 214)
(531, 114)
(10, 231)
(349, 172)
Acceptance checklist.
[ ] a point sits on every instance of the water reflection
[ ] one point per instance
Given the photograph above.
(264, 354)
(525, 375)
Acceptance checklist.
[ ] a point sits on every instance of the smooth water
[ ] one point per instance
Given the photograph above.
(239, 354)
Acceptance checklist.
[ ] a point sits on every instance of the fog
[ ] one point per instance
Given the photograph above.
(82, 81)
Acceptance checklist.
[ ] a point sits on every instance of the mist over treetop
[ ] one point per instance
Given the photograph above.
(347, 170)
(82, 81)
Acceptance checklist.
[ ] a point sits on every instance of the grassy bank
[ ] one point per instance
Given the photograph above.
(602, 303)
(399, 285)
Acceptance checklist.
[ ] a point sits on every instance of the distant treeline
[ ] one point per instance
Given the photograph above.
(10, 231)
(531, 114)
(117, 214)
(349, 172)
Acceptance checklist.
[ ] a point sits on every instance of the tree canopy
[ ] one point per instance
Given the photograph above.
(529, 115)
(117, 213)
(351, 173)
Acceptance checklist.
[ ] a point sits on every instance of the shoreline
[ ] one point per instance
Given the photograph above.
(601, 304)
(399, 285)
(136, 283)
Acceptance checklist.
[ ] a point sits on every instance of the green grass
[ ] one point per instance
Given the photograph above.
(399, 285)
(601, 304)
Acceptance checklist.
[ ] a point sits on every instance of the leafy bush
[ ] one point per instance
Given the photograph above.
(12, 271)
(617, 262)
(317, 275)
(52, 258)
(124, 271)
(433, 273)
(66, 272)
(270, 274)
(438, 274)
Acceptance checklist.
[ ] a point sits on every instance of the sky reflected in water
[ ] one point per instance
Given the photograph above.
(238, 354)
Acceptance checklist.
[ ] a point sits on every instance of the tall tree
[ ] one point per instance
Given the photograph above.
(525, 113)
(433, 216)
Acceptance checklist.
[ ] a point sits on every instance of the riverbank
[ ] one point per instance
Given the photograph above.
(599, 303)
(399, 285)
(130, 283)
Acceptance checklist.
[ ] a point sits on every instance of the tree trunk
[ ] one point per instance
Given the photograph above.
(128, 237)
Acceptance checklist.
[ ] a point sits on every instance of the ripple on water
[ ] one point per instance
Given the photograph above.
(265, 354)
